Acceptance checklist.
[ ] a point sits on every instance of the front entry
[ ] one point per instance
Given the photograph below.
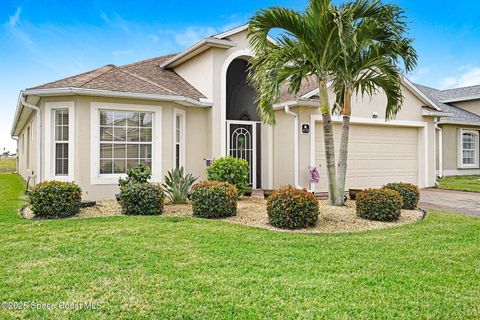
(242, 121)
(242, 142)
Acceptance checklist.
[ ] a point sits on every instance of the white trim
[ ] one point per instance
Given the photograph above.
(197, 48)
(187, 101)
(270, 157)
(461, 172)
(253, 136)
(463, 123)
(95, 176)
(49, 165)
(236, 30)
(422, 138)
(461, 99)
(230, 32)
(183, 129)
(223, 99)
(419, 93)
(461, 132)
(378, 122)
(296, 148)
(428, 113)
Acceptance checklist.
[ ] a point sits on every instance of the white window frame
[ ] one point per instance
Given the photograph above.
(183, 128)
(95, 107)
(49, 134)
(461, 165)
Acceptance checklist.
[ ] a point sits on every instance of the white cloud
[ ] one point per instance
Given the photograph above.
(13, 27)
(193, 34)
(423, 71)
(15, 18)
(471, 77)
(419, 73)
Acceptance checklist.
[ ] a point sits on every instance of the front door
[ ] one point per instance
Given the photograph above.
(242, 143)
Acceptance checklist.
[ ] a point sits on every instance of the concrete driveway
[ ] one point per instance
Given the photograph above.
(449, 200)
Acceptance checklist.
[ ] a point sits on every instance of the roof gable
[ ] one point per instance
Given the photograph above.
(141, 77)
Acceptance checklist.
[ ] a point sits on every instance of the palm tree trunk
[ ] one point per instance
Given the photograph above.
(343, 155)
(328, 141)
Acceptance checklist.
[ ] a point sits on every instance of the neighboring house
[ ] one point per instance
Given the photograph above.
(187, 108)
(458, 134)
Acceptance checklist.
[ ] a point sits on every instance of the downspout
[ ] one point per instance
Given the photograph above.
(38, 129)
(16, 154)
(440, 149)
(295, 145)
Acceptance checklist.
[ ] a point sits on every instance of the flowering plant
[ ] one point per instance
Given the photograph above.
(314, 175)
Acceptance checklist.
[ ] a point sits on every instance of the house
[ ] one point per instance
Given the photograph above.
(194, 106)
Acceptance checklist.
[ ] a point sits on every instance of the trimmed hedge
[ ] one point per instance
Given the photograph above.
(142, 199)
(232, 170)
(214, 199)
(379, 204)
(409, 192)
(55, 199)
(291, 208)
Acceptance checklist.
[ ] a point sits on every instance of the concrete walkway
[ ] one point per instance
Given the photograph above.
(449, 200)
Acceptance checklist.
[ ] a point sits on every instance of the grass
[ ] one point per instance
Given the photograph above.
(8, 163)
(461, 183)
(186, 268)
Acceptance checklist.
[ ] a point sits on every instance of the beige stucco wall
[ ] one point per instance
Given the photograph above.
(195, 141)
(472, 106)
(27, 152)
(451, 150)
(364, 108)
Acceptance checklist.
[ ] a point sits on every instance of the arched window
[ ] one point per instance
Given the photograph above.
(469, 148)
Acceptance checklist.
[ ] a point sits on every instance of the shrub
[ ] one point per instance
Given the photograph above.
(291, 208)
(177, 185)
(55, 199)
(232, 170)
(409, 192)
(214, 199)
(142, 199)
(137, 174)
(379, 204)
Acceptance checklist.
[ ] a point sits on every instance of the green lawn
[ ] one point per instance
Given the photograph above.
(461, 183)
(156, 267)
(9, 163)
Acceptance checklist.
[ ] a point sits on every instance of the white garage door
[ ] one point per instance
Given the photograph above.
(377, 155)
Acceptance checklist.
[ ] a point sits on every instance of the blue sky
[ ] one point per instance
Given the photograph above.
(41, 41)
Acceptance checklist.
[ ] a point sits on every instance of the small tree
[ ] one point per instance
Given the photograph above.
(356, 47)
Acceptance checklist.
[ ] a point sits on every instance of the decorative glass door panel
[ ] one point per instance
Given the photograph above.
(242, 143)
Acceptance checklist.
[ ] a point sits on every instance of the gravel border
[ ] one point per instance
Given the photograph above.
(252, 211)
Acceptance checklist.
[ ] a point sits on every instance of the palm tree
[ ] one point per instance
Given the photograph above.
(373, 47)
(319, 44)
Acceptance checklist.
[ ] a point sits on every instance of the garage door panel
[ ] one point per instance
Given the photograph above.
(377, 155)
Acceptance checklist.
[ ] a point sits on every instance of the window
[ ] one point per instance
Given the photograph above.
(179, 138)
(469, 148)
(61, 141)
(59, 137)
(125, 140)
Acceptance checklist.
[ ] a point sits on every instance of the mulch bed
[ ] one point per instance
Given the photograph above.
(252, 211)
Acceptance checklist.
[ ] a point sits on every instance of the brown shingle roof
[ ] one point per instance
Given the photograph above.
(307, 86)
(141, 77)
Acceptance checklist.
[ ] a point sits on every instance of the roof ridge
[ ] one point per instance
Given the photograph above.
(148, 60)
(146, 80)
(459, 88)
(424, 86)
(464, 110)
(77, 75)
(111, 67)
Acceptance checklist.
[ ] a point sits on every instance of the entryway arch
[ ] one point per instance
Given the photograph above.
(243, 129)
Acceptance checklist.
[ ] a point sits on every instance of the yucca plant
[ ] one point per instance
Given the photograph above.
(177, 185)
